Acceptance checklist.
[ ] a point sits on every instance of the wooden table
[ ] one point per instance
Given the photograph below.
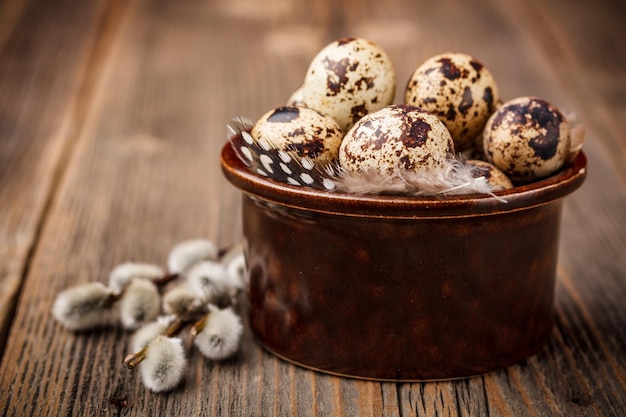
(112, 116)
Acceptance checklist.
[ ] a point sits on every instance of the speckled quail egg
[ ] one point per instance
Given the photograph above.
(348, 79)
(459, 90)
(527, 138)
(396, 137)
(496, 179)
(296, 99)
(300, 131)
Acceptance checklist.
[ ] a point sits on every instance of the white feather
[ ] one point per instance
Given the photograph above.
(455, 178)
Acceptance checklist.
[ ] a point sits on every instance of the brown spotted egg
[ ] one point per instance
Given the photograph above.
(495, 178)
(299, 131)
(527, 138)
(348, 79)
(396, 137)
(459, 90)
(296, 99)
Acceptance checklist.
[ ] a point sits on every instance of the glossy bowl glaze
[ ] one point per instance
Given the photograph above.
(401, 288)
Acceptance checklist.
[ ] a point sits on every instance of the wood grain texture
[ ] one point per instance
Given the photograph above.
(44, 57)
(112, 117)
(588, 68)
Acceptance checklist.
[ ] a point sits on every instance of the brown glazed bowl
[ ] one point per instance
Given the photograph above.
(401, 288)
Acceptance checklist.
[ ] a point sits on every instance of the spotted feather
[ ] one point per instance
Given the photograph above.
(284, 166)
(455, 178)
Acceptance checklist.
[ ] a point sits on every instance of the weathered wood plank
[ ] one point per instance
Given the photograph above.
(44, 58)
(144, 175)
(586, 47)
(560, 380)
(590, 337)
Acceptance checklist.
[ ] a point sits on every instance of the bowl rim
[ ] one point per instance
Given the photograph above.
(523, 197)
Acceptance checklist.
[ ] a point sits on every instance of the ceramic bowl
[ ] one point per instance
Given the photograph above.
(401, 288)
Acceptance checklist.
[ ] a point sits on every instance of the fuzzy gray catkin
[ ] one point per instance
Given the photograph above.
(211, 280)
(237, 271)
(140, 303)
(181, 299)
(220, 336)
(164, 364)
(186, 254)
(121, 276)
(84, 306)
(235, 263)
(149, 331)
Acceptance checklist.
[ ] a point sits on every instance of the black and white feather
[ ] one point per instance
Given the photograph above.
(263, 158)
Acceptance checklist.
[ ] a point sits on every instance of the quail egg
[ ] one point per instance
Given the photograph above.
(457, 88)
(300, 131)
(296, 99)
(496, 179)
(348, 79)
(396, 137)
(527, 138)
